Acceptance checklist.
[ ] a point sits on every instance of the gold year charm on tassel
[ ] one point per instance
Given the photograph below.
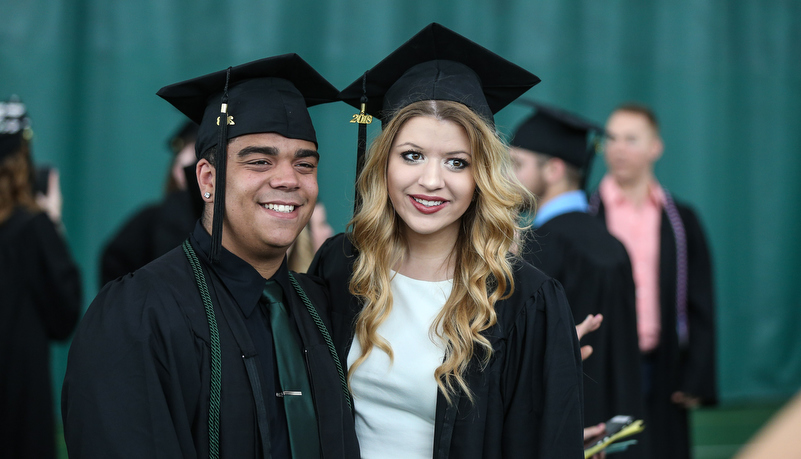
(229, 118)
(361, 117)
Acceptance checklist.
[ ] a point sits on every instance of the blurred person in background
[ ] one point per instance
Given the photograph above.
(161, 226)
(552, 151)
(40, 291)
(672, 271)
(301, 254)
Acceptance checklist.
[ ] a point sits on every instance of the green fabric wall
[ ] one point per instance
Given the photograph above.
(724, 77)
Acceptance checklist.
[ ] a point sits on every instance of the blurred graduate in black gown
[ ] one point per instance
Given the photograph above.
(40, 292)
(552, 151)
(161, 226)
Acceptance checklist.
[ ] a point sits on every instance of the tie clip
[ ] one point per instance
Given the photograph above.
(288, 392)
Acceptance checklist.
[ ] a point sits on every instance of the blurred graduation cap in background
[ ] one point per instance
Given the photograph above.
(262, 96)
(183, 136)
(15, 125)
(555, 132)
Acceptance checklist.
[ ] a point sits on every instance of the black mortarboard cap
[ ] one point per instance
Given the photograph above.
(435, 64)
(267, 95)
(439, 64)
(555, 132)
(14, 125)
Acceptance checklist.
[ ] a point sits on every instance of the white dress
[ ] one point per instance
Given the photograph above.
(395, 402)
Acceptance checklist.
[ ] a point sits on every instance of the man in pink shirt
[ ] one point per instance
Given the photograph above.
(672, 273)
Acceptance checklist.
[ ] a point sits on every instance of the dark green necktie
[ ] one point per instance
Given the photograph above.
(295, 388)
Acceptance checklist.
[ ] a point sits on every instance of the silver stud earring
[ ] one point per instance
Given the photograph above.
(207, 195)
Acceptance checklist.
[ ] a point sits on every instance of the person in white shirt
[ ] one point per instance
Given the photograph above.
(455, 348)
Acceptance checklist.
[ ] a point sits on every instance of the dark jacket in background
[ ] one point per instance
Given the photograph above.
(40, 301)
(690, 369)
(594, 268)
(150, 233)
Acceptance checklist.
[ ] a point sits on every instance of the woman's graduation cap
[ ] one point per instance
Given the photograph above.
(436, 64)
(267, 95)
(558, 133)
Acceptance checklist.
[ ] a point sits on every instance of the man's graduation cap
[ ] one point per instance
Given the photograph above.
(14, 125)
(558, 133)
(267, 95)
(436, 64)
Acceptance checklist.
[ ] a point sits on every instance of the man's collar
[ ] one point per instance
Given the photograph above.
(570, 201)
(241, 279)
(656, 194)
(612, 192)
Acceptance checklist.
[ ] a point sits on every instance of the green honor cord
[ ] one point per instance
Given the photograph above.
(216, 352)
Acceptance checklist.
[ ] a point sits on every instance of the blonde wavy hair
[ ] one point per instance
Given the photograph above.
(483, 265)
(15, 182)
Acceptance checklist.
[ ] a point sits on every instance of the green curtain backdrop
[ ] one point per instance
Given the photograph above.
(724, 77)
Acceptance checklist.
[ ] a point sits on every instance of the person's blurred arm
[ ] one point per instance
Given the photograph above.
(591, 323)
(52, 201)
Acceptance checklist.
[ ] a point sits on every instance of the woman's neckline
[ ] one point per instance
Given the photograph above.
(394, 273)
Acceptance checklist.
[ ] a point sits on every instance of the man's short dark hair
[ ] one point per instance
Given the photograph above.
(573, 174)
(640, 109)
(209, 154)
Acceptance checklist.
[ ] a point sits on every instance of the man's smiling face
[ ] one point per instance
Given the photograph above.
(271, 189)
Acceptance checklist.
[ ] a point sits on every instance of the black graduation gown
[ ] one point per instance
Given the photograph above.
(138, 372)
(691, 369)
(150, 233)
(528, 401)
(40, 300)
(594, 269)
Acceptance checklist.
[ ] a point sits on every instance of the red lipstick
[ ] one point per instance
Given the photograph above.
(427, 209)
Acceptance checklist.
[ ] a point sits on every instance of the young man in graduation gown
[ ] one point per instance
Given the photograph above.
(552, 154)
(215, 349)
(673, 276)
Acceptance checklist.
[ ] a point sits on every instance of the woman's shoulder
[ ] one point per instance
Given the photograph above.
(334, 259)
(528, 279)
(31, 231)
(534, 292)
(338, 245)
(23, 219)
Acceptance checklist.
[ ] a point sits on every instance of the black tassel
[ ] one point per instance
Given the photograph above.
(357, 198)
(220, 163)
(363, 119)
(593, 147)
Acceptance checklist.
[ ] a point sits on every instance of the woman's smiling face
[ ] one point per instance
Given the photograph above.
(429, 176)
